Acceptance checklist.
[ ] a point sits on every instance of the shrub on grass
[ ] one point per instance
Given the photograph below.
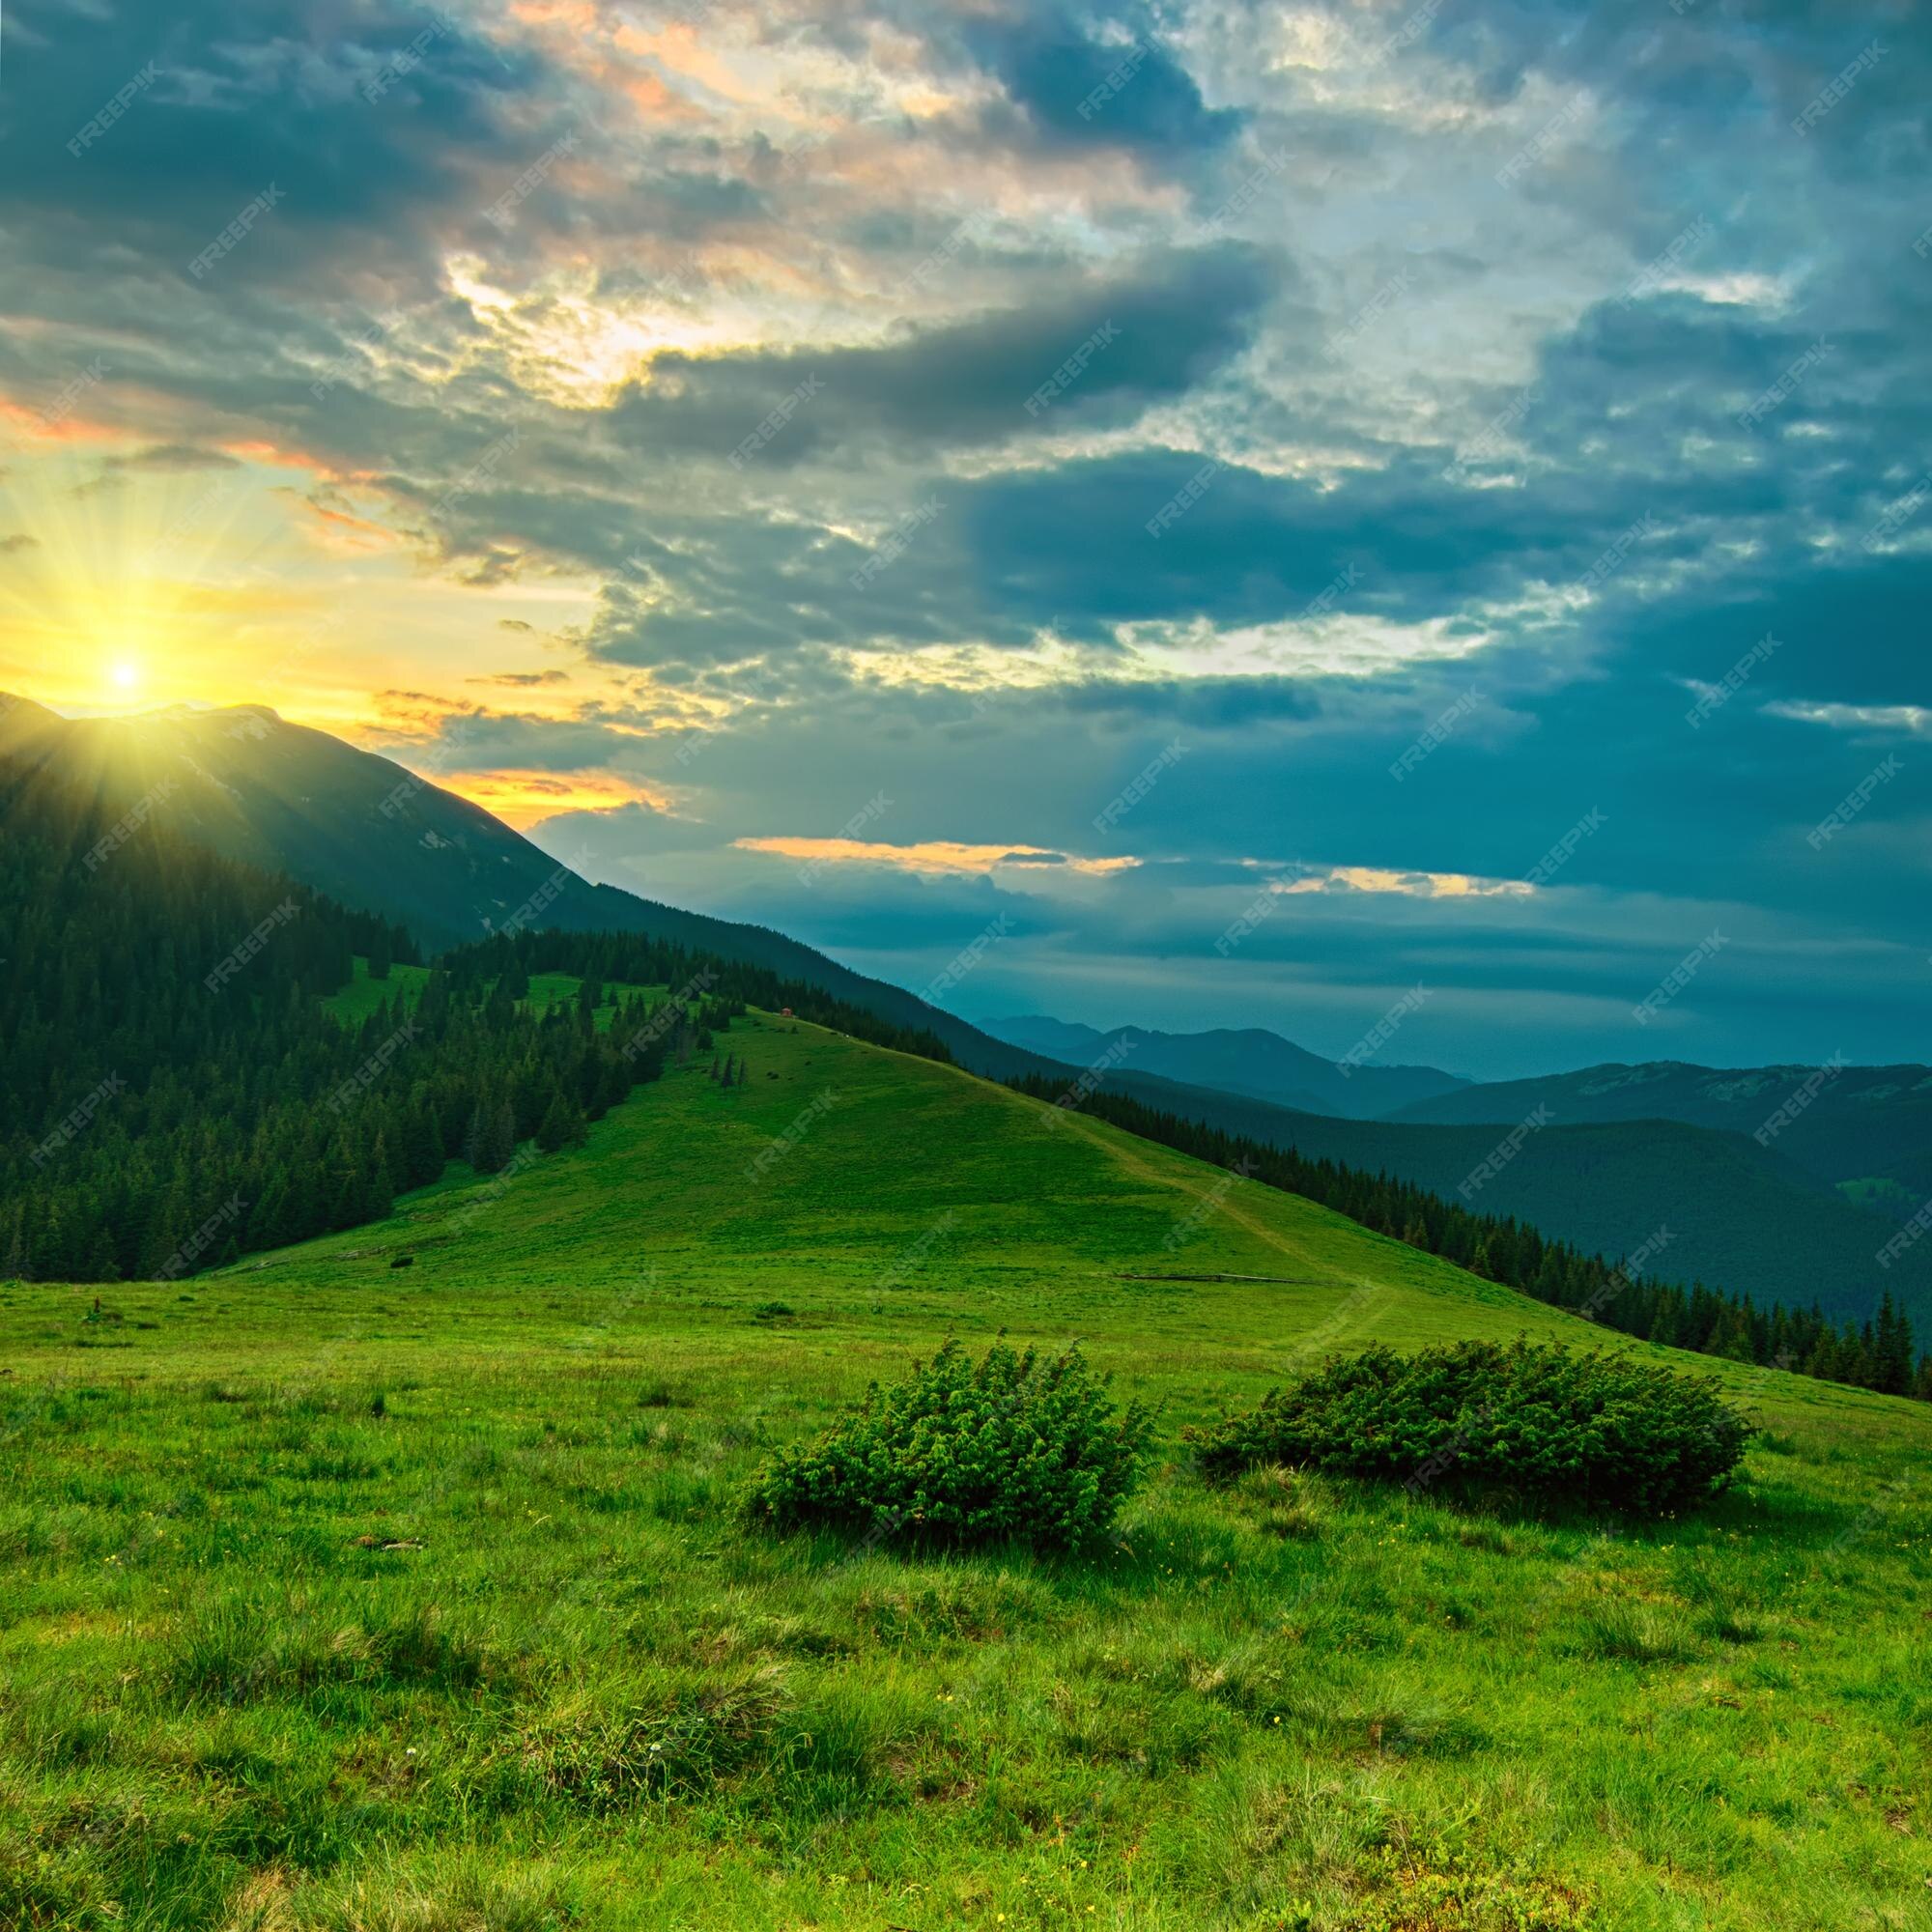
(1606, 1430)
(1012, 1446)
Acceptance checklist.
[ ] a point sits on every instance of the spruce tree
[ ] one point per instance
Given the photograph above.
(499, 1145)
(562, 1127)
(1891, 1348)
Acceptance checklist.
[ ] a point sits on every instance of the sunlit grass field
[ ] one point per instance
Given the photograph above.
(335, 1594)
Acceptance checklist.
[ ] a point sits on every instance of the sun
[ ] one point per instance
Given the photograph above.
(127, 675)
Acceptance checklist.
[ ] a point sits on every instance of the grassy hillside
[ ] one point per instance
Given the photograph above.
(338, 1595)
(1741, 1218)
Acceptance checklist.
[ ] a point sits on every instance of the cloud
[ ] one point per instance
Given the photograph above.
(1911, 720)
(1127, 88)
(1139, 336)
(1407, 885)
(232, 112)
(966, 404)
(168, 457)
(933, 856)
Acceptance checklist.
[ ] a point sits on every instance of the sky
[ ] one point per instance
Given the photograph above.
(1408, 524)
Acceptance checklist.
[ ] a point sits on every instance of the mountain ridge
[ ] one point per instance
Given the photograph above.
(379, 838)
(1252, 1060)
(1839, 1122)
(1741, 1217)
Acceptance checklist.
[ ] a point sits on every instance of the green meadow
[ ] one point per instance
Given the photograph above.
(363, 996)
(339, 1594)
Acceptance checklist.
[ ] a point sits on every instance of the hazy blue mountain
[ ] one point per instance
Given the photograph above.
(1841, 1123)
(1244, 1060)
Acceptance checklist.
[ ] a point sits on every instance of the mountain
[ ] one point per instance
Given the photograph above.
(1619, 1152)
(1841, 1123)
(1740, 1217)
(378, 839)
(1246, 1059)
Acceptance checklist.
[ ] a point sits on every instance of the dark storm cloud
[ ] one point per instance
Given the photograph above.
(1140, 337)
(1067, 85)
(292, 97)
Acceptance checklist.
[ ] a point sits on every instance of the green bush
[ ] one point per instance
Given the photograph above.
(1013, 1446)
(1604, 1430)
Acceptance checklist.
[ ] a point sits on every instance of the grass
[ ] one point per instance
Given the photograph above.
(337, 1597)
(362, 995)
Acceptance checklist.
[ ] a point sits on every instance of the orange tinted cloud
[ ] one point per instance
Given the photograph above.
(338, 530)
(284, 456)
(934, 856)
(522, 799)
(41, 426)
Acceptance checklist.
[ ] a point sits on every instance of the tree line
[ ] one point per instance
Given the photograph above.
(175, 1092)
(1876, 1354)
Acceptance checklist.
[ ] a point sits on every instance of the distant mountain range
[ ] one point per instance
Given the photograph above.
(1842, 1124)
(1603, 1157)
(1866, 1130)
(1740, 1216)
(1245, 1060)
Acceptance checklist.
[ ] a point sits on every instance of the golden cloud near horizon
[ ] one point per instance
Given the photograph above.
(935, 857)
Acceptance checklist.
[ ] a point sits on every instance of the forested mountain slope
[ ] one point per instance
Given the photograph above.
(377, 837)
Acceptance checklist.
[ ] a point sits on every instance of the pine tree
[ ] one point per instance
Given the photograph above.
(501, 1142)
(1891, 1348)
(381, 1181)
(562, 1127)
